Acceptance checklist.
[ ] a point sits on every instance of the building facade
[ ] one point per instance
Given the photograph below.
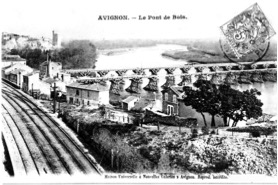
(31, 82)
(129, 102)
(87, 94)
(15, 73)
(171, 100)
(118, 116)
(50, 69)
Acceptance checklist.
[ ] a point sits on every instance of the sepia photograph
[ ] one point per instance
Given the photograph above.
(138, 92)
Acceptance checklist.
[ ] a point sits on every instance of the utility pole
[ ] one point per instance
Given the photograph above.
(19, 79)
(32, 90)
(54, 98)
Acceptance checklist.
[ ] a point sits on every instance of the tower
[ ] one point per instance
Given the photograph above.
(55, 39)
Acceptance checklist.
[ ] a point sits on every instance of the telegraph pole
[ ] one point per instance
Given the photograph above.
(54, 98)
(32, 90)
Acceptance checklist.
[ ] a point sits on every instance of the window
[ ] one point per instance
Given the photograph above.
(170, 110)
(166, 96)
(71, 100)
(88, 94)
(88, 103)
(174, 99)
(77, 92)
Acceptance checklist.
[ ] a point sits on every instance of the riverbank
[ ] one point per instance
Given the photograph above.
(204, 56)
(194, 55)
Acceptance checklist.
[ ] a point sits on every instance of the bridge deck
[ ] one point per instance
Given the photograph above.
(183, 74)
(177, 66)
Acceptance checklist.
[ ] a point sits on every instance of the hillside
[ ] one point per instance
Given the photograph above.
(15, 41)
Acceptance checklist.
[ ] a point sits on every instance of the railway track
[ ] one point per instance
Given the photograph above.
(50, 148)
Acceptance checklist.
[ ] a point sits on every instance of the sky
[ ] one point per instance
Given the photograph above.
(78, 19)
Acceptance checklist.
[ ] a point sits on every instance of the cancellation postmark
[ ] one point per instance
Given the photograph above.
(246, 36)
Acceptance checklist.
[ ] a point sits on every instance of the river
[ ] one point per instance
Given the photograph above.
(151, 57)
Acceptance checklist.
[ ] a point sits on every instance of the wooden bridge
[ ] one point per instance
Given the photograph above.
(217, 72)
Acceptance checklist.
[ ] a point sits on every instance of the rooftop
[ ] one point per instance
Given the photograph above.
(130, 99)
(7, 58)
(32, 73)
(92, 87)
(49, 80)
(19, 66)
(178, 90)
(16, 71)
(143, 103)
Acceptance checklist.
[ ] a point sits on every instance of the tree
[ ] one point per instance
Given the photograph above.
(34, 57)
(76, 54)
(222, 100)
(204, 98)
(250, 106)
(229, 98)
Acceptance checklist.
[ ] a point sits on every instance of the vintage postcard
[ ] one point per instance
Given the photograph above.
(138, 92)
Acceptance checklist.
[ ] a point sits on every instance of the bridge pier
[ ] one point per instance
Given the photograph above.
(256, 77)
(154, 71)
(216, 79)
(138, 71)
(135, 86)
(152, 85)
(83, 73)
(185, 69)
(201, 77)
(199, 69)
(214, 68)
(244, 78)
(170, 81)
(99, 81)
(185, 80)
(115, 86)
(269, 76)
(231, 79)
(103, 73)
(170, 70)
(121, 72)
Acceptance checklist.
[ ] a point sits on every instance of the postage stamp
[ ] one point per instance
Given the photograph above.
(246, 36)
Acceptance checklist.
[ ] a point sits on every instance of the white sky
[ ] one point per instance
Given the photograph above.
(77, 19)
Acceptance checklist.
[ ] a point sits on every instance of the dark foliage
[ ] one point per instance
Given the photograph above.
(204, 98)
(224, 101)
(74, 54)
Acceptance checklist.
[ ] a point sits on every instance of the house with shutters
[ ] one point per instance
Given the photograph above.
(171, 100)
(87, 94)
